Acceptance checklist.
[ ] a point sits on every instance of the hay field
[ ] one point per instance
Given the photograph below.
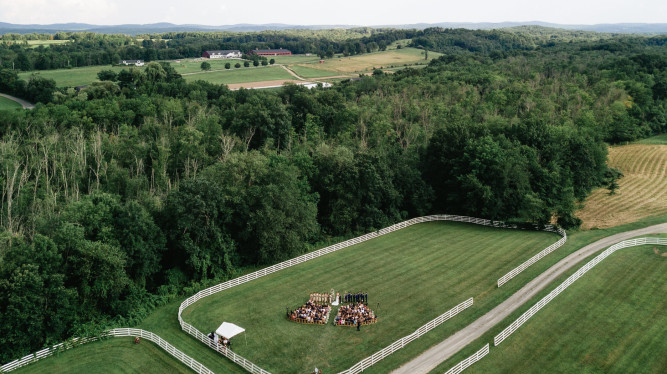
(642, 191)
(366, 62)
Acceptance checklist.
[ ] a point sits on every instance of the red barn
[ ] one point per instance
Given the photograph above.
(271, 52)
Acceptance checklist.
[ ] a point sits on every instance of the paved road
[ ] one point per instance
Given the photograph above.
(25, 104)
(430, 359)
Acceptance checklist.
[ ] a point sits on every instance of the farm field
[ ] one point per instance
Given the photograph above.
(113, 355)
(7, 104)
(642, 191)
(611, 320)
(72, 77)
(411, 277)
(241, 75)
(366, 62)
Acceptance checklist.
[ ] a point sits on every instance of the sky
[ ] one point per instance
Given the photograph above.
(338, 12)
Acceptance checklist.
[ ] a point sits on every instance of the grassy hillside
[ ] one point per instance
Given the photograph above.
(7, 104)
(113, 355)
(642, 191)
(411, 276)
(609, 321)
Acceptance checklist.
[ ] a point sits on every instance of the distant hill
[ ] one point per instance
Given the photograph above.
(133, 29)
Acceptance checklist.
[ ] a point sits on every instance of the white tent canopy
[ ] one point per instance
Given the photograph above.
(229, 330)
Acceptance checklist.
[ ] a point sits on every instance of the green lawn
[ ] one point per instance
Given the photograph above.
(7, 104)
(295, 59)
(308, 72)
(73, 77)
(113, 355)
(186, 66)
(609, 321)
(241, 75)
(411, 276)
(654, 140)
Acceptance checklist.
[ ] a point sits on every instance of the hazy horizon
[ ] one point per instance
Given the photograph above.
(344, 12)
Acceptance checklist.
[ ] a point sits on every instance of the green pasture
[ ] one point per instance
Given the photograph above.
(45, 43)
(654, 140)
(295, 59)
(187, 66)
(411, 277)
(612, 320)
(241, 75)
(7, 104)
(307, 72)
(73, 77)
(112, 355)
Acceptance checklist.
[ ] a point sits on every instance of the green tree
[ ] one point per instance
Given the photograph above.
(237, 65)
(228, 65)
(272, 61)
(205, 66)
(107, 75)
(246, 63)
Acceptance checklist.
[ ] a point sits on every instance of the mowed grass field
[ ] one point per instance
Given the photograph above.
(366, 62)
(73, 77)
(612, 320)
(642, 191)
(7, 104)
(241, 75)
(113, 355)
(411, 277)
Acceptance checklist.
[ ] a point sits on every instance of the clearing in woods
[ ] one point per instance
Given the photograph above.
(612, 320)
(411, 276)
(367, 62)
(642, 191)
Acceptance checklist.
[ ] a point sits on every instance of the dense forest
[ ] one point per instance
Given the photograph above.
(129, 191)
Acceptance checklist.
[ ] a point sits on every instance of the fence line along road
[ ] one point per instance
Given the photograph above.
(578, 274)
(469, 361)
(121, 332)
(402, 342)
(251, 367)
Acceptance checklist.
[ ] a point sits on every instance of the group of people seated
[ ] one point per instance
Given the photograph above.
(356, 314)
(311, 312)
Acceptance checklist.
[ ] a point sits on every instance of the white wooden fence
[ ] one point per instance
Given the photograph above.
(46, 352)
(321, 252)
(505, 278)
(545, 300)
(469, 361)
(400, 343)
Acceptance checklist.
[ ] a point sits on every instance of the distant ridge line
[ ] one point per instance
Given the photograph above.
(161, 27)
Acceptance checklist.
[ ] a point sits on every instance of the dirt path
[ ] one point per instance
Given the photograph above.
(262, 84)
(430, 359)
(292, 73)
(25, 104)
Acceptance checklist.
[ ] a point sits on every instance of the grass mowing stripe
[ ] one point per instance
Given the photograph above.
(413, 275)
(611, 320)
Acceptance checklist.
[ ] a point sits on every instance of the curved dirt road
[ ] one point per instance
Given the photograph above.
(24, 104)
(430, 359)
